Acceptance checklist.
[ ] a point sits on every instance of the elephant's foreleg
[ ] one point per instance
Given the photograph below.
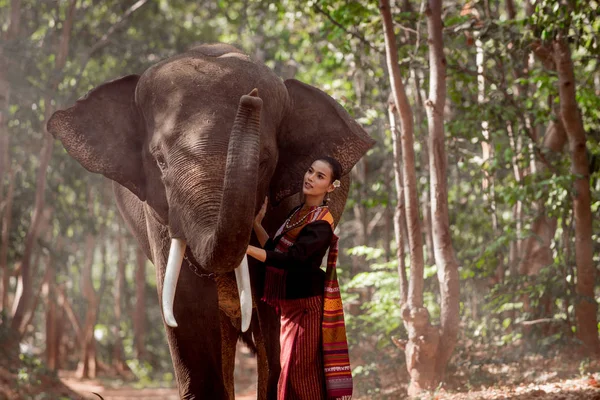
(229, 336)
(269, 332)
(195, 345)
(262, 362)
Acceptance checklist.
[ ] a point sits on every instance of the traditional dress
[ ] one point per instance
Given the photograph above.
(314, 352)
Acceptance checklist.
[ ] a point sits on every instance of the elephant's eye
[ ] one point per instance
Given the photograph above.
(160, 161)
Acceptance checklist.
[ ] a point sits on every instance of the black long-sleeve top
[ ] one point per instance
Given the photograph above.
(303, 259)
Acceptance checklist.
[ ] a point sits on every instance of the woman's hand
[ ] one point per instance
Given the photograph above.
(261, 214)
(260, 232)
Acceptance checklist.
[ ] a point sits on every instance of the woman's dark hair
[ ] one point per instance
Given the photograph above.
(336, 167)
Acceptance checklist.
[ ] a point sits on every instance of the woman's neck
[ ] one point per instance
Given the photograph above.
(313, 201)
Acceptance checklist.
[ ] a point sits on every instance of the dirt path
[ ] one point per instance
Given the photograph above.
(244, 376)
(88, 387)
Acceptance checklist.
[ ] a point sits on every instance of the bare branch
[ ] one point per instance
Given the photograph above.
(342, 27)
(544, 54)
(64, 303)
(541, 321)
(103, 41)
(374, 221)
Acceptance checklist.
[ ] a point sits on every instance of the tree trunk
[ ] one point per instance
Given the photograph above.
(535, 250)
(45, 155)
(118, 351)
(399, 214)
(36, 297)
(425, 194)
(25, 293)
(586, 306)
(88, 365)
(487, 185)
(388, 214)
(63, 301)
(87, 362)
(54, 314)
(5, 238)
(516, 146)
(53, 320)
(423, 338)
(11, 34)
(446, 262)
(415, 287)
(359, 177)
(139, 319)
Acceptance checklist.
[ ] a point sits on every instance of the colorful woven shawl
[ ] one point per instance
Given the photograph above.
(336, 360)
(275, 278)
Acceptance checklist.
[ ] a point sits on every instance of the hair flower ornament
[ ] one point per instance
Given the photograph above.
(336, 183)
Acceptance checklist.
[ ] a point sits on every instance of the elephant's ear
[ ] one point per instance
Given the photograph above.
(315, 125)
(104, 132)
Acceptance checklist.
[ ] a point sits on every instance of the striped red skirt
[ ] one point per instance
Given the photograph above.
(302, 375)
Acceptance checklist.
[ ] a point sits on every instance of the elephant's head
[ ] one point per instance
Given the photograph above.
(192, 138)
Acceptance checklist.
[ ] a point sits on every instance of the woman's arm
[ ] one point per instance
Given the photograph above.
(261, 234)
(312, 242)
(255, 252)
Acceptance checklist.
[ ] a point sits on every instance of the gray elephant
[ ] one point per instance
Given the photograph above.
(193, 145)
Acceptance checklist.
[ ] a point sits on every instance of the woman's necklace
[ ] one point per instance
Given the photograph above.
(301, 220)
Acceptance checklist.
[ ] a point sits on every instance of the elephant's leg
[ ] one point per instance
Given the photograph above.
(229, 336)
(195, 345)
(262, 362)
(269, 329)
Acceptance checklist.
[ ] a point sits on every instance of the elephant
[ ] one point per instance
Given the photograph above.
(193, 145)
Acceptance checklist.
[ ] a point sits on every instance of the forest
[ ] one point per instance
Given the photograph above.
(470, 240)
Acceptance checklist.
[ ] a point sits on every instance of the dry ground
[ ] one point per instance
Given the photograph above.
(479, 374)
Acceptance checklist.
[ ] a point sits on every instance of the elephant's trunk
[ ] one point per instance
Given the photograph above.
(223, 249)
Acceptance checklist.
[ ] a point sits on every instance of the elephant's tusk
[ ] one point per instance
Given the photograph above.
(242, 278)
(170, 283)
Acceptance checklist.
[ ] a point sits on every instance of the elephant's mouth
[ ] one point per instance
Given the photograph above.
(179, 252)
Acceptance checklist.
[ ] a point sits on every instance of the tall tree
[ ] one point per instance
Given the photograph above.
(4, 241)
(23, 302)
(119, 291)
(54, 314)
(400, 212)
(423, 338)
(139, 319)
(586, 306)
(10, 35)
(445, 258)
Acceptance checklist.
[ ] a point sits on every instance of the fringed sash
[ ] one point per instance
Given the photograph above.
(336, 360)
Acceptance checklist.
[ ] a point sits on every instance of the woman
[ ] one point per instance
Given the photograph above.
(314, 353)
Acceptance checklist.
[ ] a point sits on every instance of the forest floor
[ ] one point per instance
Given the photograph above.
(561, 372)
(474, 375)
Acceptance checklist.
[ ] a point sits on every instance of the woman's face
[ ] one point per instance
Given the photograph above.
(317, 180)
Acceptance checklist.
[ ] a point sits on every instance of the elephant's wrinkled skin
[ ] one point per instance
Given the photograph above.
(183, 169)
